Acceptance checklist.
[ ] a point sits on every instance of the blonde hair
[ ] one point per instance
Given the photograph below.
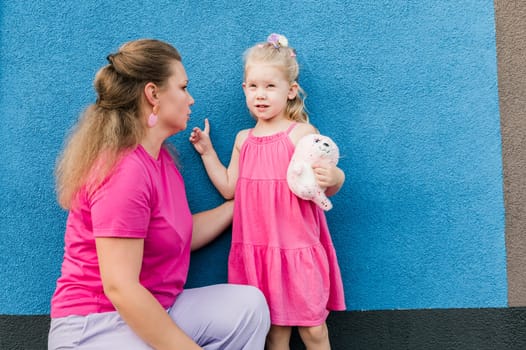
(284, 58)
(113, 124)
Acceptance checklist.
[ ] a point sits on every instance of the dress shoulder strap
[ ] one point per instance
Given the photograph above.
(291, 126)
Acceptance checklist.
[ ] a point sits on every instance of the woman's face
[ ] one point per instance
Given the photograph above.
(175, 100)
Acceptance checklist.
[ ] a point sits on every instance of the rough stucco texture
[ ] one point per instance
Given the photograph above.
(407, 89)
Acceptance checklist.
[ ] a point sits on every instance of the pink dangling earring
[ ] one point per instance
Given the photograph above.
(152, 118)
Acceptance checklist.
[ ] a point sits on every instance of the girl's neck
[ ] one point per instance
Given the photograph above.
(270, 127)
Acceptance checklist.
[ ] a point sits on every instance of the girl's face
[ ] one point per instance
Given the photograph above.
(175, 100)
(267, 91)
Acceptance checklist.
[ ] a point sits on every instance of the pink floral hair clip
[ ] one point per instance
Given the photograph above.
(278, 40)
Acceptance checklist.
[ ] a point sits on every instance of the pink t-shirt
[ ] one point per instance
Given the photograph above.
(143, 198)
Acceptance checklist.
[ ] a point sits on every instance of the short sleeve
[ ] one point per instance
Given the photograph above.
(120, 207)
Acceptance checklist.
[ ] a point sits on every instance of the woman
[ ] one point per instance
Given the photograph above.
(129, 231)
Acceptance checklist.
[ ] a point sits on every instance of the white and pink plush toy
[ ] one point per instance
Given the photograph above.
(311, 149)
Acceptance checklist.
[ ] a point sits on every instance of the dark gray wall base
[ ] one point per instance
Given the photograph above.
(23, 332)
(465, 329)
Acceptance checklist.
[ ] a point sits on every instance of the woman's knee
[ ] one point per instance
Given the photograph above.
(249, 320)
(255, 296)
(241, 306)
(251, 301)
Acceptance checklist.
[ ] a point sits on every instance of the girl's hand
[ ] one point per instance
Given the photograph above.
(329, 177)
(201, 139)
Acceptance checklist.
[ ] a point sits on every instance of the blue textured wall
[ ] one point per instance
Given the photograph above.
(407, 88)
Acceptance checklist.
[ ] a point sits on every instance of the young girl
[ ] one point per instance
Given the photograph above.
(280, 243)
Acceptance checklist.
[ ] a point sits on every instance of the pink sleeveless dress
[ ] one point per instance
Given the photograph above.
(281, 243)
